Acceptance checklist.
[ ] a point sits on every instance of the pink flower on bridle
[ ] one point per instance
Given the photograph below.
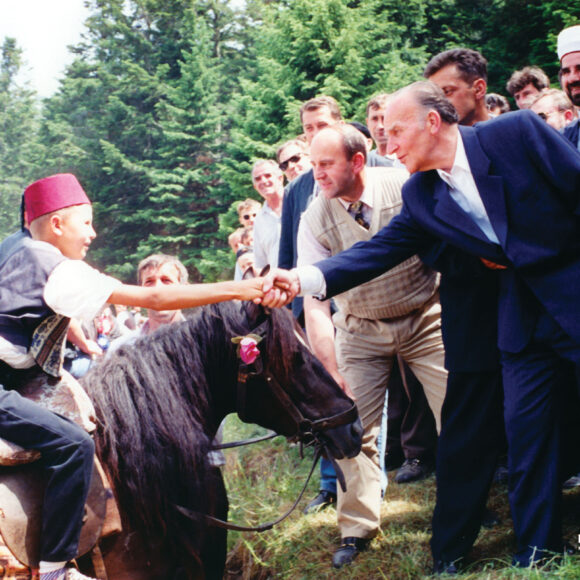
(248, 349)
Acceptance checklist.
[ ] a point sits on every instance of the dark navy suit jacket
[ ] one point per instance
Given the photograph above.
(572, 132)
(528, 177)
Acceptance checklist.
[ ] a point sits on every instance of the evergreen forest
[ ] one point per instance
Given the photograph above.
(167, 103)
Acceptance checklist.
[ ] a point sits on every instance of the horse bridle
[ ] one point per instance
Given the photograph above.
(306, 430)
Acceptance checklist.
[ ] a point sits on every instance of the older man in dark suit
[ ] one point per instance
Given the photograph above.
(508, 191)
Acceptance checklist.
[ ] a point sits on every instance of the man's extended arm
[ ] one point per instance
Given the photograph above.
(364, 261)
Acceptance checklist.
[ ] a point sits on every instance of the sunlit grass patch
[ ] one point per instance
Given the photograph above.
(264, 480)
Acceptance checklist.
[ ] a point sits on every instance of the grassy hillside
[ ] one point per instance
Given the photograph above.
(263, 481)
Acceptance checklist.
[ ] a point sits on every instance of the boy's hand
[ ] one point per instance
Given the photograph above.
(251, 289)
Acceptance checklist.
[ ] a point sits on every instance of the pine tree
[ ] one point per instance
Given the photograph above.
(19, 148)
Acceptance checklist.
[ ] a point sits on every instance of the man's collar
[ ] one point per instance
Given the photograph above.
(366, 198)
(460, 162)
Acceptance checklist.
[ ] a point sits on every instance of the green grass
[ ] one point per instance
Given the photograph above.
(263, 481)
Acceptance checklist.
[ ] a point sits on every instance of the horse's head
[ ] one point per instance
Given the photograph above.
(287, 389)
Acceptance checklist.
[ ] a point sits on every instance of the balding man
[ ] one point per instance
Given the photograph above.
(396, 314)
(508, 191)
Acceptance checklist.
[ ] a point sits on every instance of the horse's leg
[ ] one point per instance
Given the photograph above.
(214, 547)
(126, 559)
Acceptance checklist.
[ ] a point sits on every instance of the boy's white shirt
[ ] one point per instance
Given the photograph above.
(73, 289)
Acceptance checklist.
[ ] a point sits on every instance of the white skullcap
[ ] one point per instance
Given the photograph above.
(569, 41)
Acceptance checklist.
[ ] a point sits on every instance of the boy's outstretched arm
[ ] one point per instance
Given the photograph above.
(178, 296)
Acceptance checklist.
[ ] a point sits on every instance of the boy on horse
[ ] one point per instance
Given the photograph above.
(43, 283)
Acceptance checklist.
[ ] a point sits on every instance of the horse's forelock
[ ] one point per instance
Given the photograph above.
(282, 342)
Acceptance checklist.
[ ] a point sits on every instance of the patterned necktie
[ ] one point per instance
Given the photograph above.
(356, 210)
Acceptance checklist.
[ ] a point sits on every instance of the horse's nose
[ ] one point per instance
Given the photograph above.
(356, 432)
(357, 429)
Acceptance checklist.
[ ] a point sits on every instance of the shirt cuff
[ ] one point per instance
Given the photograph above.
(312, 282)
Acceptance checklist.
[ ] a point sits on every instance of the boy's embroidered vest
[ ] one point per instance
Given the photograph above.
(25, 318)
(395, 293)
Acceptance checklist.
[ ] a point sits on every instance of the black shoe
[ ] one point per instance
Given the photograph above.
(349, 549)
(490, 519)
(393, 460)
(449, 568)
(413, 470)
(321, 501)
(572, 482)
(568, 549)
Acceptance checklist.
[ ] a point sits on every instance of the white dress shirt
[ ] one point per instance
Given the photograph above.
(464, 192)
(267, 228)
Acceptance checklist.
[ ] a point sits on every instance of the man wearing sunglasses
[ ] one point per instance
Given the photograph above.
(555, 108)
(293, 158)
(247, 211)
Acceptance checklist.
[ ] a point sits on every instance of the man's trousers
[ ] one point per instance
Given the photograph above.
(366, 350)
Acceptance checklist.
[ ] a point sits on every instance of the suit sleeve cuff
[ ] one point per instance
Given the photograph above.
(312, 282)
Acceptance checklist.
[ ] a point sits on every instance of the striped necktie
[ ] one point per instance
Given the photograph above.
(356, 210)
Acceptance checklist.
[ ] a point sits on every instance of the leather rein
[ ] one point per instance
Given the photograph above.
(307, 433)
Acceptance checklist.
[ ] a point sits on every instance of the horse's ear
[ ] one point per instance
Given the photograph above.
(255, 313)
(249, 273)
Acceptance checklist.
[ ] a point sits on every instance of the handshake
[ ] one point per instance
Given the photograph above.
(279, 288)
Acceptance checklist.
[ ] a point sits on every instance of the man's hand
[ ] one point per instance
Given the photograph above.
(342, 384)
(280, 287)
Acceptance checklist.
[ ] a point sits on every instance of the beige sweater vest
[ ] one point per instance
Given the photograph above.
(398, 291)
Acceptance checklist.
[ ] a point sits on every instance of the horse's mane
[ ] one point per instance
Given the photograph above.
(154, 406)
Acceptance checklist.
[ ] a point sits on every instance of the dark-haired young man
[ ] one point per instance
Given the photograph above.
(524, 85)
(462, 75)
(468, 294)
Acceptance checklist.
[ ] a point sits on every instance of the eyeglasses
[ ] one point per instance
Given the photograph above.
(546, 116)
(247, 216)
(294, 159)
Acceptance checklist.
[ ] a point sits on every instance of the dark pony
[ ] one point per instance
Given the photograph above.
(159, 403)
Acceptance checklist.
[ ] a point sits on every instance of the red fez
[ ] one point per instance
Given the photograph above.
(53, 193)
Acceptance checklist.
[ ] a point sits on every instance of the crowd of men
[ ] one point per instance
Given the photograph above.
(450, 253)
(491, 205)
